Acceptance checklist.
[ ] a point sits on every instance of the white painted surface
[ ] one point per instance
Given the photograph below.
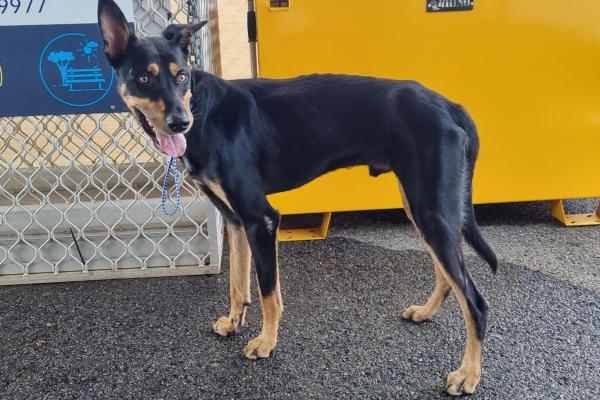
(55, 12)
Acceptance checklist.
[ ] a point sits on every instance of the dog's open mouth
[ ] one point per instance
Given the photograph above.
(173, 144)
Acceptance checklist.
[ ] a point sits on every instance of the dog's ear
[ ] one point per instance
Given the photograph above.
(181, 34)
(116, 33)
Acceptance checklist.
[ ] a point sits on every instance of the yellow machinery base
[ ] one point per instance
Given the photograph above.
(316, 233)
(558, 211)
(320, 232)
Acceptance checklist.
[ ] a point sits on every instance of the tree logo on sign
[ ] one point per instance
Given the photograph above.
(72, 72)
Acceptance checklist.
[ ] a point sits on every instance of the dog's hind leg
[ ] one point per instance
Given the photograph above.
(443, 242)
(419, 313)
(474, 308)
(239, 280)
(435, 189)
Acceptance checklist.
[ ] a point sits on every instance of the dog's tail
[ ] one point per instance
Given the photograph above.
(473, 236)
(470, 229)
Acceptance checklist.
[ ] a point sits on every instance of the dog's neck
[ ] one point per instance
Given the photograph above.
(208, 92)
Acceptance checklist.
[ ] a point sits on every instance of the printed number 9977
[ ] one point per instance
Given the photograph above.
(25, 6)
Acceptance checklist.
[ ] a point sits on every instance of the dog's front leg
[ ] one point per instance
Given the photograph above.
(251, 228)
(239, 280)
(262, 237)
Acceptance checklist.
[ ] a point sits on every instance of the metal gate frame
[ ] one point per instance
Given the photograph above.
(80, 194)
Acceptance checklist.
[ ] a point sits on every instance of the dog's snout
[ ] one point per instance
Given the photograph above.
(177, 123)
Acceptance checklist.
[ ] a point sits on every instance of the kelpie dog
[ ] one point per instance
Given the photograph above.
(244, 139)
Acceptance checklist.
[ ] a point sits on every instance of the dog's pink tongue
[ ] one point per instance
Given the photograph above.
(173, 145)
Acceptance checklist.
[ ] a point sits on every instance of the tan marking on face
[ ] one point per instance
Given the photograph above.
(154, 111)
(239, 281)
(174, 68)
(154, 69)
(123, 90)
(186, 106)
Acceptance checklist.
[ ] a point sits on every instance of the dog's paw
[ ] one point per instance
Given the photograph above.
(225, 326)
(461, 382)
(417, 313)
(259, 347)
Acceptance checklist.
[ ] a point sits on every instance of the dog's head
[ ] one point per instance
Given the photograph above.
(153, 75)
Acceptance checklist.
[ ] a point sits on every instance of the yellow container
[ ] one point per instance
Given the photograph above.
(527, 71)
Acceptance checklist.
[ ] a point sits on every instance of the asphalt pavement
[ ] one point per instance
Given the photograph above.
(341, 336)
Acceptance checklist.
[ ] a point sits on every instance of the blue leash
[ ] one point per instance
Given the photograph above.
(171, 168)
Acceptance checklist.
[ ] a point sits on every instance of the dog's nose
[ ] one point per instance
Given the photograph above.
(177, 124)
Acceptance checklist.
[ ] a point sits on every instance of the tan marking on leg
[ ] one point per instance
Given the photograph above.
(420, 313)
(466, 378)
(239, 281)
(272, 309)
(174, 68)
(406, 206)
(154, 69)
(217, 190)
(262, 345)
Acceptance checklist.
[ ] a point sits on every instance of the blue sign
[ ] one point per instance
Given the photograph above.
(71, 71)
(54, 69)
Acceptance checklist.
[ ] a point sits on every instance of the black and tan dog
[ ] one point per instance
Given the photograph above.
(244, 139)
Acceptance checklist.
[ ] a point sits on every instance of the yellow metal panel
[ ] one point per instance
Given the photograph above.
(528, 72)
(343, 190)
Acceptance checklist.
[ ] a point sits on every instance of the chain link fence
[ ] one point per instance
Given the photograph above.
(80, 194)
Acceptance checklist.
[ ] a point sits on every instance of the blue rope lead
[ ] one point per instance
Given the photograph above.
(171, 168)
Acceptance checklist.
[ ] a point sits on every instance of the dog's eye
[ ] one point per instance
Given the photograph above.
(143, 79)
(182, 77)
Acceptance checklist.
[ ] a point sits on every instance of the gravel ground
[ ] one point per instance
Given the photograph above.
(521, 233)
(341, 336)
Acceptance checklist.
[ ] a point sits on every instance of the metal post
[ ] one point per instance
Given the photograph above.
(252, 37)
